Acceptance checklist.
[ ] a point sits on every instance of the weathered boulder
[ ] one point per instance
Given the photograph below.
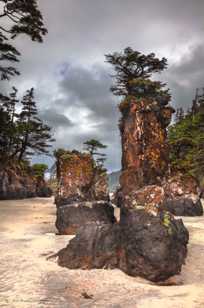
(95, 246)
(71, 217)
(153, 247)
(79, 180)
(182, 196)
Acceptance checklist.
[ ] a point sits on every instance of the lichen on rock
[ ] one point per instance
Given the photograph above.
(79, 179)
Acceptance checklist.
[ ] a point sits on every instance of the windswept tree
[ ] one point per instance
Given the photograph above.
(93, 146)
(17, 17)
(9, 115)
(35, 136)
(132, 75)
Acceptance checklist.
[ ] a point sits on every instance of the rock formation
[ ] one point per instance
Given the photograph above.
(144, 147)
(152, 247)
(145, 162)
(182, 196)
(82, 195)
(71, 217)
(147, 241)
(14, 184)
(17, 183)
(78, 179)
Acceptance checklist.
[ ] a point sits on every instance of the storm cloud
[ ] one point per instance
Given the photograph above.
(71, 79)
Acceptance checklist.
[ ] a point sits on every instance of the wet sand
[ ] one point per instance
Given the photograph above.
(28, 279)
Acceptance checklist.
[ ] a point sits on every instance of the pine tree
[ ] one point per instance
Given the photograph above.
(179, 114)
(133, 72)
(35, 135)
(186, 140)
(9, 116)
(17, 17)
(92, 146)
(4, 133)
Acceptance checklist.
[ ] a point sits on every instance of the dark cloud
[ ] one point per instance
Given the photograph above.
(187, 75)
(71, 78)
(55, 119)
(93, 111)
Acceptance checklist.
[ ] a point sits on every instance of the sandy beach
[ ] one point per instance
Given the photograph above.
(29, 278)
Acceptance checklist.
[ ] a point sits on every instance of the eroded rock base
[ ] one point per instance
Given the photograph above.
(153, 247)
(71, 217)
(183, 207)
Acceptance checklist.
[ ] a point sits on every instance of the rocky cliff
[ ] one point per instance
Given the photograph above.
(18, 183)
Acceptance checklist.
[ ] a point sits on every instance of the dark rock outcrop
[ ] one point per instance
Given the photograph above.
(183, 207)
(182, 196)
(71, 217)
(95, 246)
(153, 247)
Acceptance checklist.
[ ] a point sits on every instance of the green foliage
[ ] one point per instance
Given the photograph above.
(92, 146)
(35, 137)
(133, 71)
(22, 133)
(17, 17)
(186, 139)
(167, 222)
(64, 154)
(39, 170)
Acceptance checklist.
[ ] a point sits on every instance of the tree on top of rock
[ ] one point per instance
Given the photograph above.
(92, 146)
(133, 71)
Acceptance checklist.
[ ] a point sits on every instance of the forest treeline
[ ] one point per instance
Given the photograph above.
(186, 140)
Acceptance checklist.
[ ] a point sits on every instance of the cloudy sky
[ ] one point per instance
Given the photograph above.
(72, 80)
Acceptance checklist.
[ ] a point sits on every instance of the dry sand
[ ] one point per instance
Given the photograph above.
(28, 279)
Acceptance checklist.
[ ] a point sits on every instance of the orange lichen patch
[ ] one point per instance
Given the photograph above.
(144, 148)
(75, 172)
(79, 179)
(179, 185)
(150, 195)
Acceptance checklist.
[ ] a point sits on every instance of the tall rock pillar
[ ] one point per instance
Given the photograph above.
(144, 148)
